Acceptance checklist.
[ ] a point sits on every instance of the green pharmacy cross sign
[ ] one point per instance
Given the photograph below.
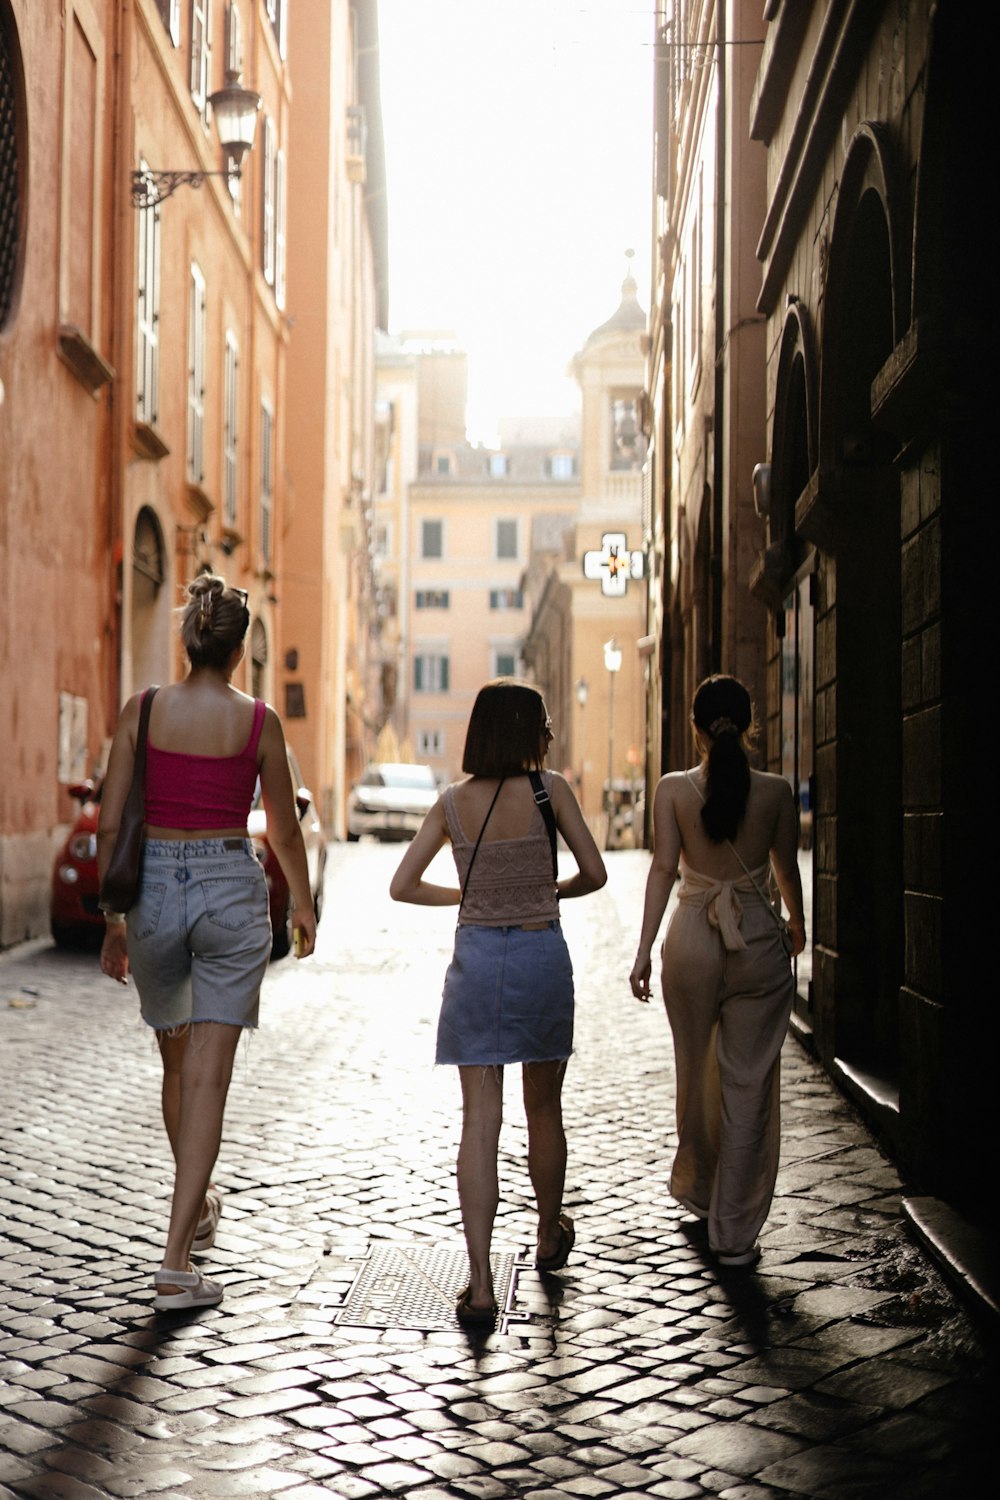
(613, 564)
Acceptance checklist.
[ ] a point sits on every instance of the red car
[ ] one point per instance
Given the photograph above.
(74, 911)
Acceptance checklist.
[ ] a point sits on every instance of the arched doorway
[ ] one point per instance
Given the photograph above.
(790, 570)
(258, 659)
(863, 918)
(150, 616)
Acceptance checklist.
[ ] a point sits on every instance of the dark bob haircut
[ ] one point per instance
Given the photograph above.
(506, 730)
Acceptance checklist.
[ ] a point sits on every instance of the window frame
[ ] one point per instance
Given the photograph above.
(432, 662)
(432, 599)
(499, 601)
(230, 429)
(147, 365)
(280, 233)
(200, 79)
(504, 649)
(426, 521)
(269, 147)
(197, 352)
(170, 15)
(266, 490)
(498, 523)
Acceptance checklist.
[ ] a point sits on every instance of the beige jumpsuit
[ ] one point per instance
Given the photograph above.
(728, 988)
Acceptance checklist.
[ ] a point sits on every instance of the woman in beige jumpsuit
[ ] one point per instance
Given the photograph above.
(727, 980)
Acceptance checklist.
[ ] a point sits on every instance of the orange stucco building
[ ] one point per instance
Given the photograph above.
(144, 371)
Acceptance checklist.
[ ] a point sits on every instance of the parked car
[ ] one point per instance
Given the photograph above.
(390, 801)
(277, 885)
(73, 906)
(74, 910)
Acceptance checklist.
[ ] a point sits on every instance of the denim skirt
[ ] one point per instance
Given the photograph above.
(199, 934)
(508, 997)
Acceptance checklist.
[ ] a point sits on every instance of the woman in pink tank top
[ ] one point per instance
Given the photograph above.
(197, 938)
(508, 992)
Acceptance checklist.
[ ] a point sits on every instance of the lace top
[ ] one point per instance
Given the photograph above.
(511, 878)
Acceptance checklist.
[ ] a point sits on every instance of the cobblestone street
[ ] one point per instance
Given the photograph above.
(842, 1367)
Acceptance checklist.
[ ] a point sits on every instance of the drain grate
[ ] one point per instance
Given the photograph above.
(415, 1286)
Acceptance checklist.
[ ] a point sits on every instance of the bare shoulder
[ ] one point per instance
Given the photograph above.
(128, 720)
(668, 786)
(771, 785)
(562, 796)
(272, 722)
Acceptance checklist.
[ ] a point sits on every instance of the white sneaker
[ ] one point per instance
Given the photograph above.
(195, 1290)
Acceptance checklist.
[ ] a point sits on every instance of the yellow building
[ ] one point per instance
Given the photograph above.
(585, 641)
(455, 525)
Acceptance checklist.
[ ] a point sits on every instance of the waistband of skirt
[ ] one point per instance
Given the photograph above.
(196, 848)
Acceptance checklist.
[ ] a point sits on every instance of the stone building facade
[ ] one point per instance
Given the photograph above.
(871, 252)
(706, 379)
(857, 584)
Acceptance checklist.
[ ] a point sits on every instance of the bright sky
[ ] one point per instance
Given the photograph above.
(518, 151)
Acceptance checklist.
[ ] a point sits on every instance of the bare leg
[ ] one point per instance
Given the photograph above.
(202, 1058)
(478, 1185)
(173, 1045)
(541, 1084)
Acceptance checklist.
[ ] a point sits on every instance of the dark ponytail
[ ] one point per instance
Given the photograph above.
(722, 710)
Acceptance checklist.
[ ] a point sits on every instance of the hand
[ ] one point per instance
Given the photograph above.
(304, 917)
(639, 978)
(798, 932)
(114, 952)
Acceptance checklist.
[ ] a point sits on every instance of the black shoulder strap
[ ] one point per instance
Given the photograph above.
(544, 802)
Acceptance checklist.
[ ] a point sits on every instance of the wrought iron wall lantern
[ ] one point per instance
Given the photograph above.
(235, 111)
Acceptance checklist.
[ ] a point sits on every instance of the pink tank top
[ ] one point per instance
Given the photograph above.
(202, 791)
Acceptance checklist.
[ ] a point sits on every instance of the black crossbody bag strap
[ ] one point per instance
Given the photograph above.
(479, 840)
(544, 804)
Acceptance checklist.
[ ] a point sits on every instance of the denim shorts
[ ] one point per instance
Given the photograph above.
(199, 933)
(508, 997)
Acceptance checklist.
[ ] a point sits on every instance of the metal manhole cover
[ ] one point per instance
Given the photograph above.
(415, 1286)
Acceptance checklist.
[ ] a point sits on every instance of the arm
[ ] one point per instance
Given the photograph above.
(408, 883)
(785, 862)
(114, 792)
(659, 883)
(284, 831)
(591, 874)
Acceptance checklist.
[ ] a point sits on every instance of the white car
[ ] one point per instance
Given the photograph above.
(390, 801)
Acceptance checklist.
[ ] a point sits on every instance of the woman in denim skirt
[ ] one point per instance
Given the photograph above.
(198, 936)
(508, 992)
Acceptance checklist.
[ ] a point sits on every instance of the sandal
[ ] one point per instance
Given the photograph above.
(741, 1259)
(195, 1290)
(466, 1312)
(559, 1257)
(204, 1237)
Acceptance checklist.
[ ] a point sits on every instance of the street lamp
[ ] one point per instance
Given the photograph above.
(581, 698)
(234, 110)
(613, 662)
